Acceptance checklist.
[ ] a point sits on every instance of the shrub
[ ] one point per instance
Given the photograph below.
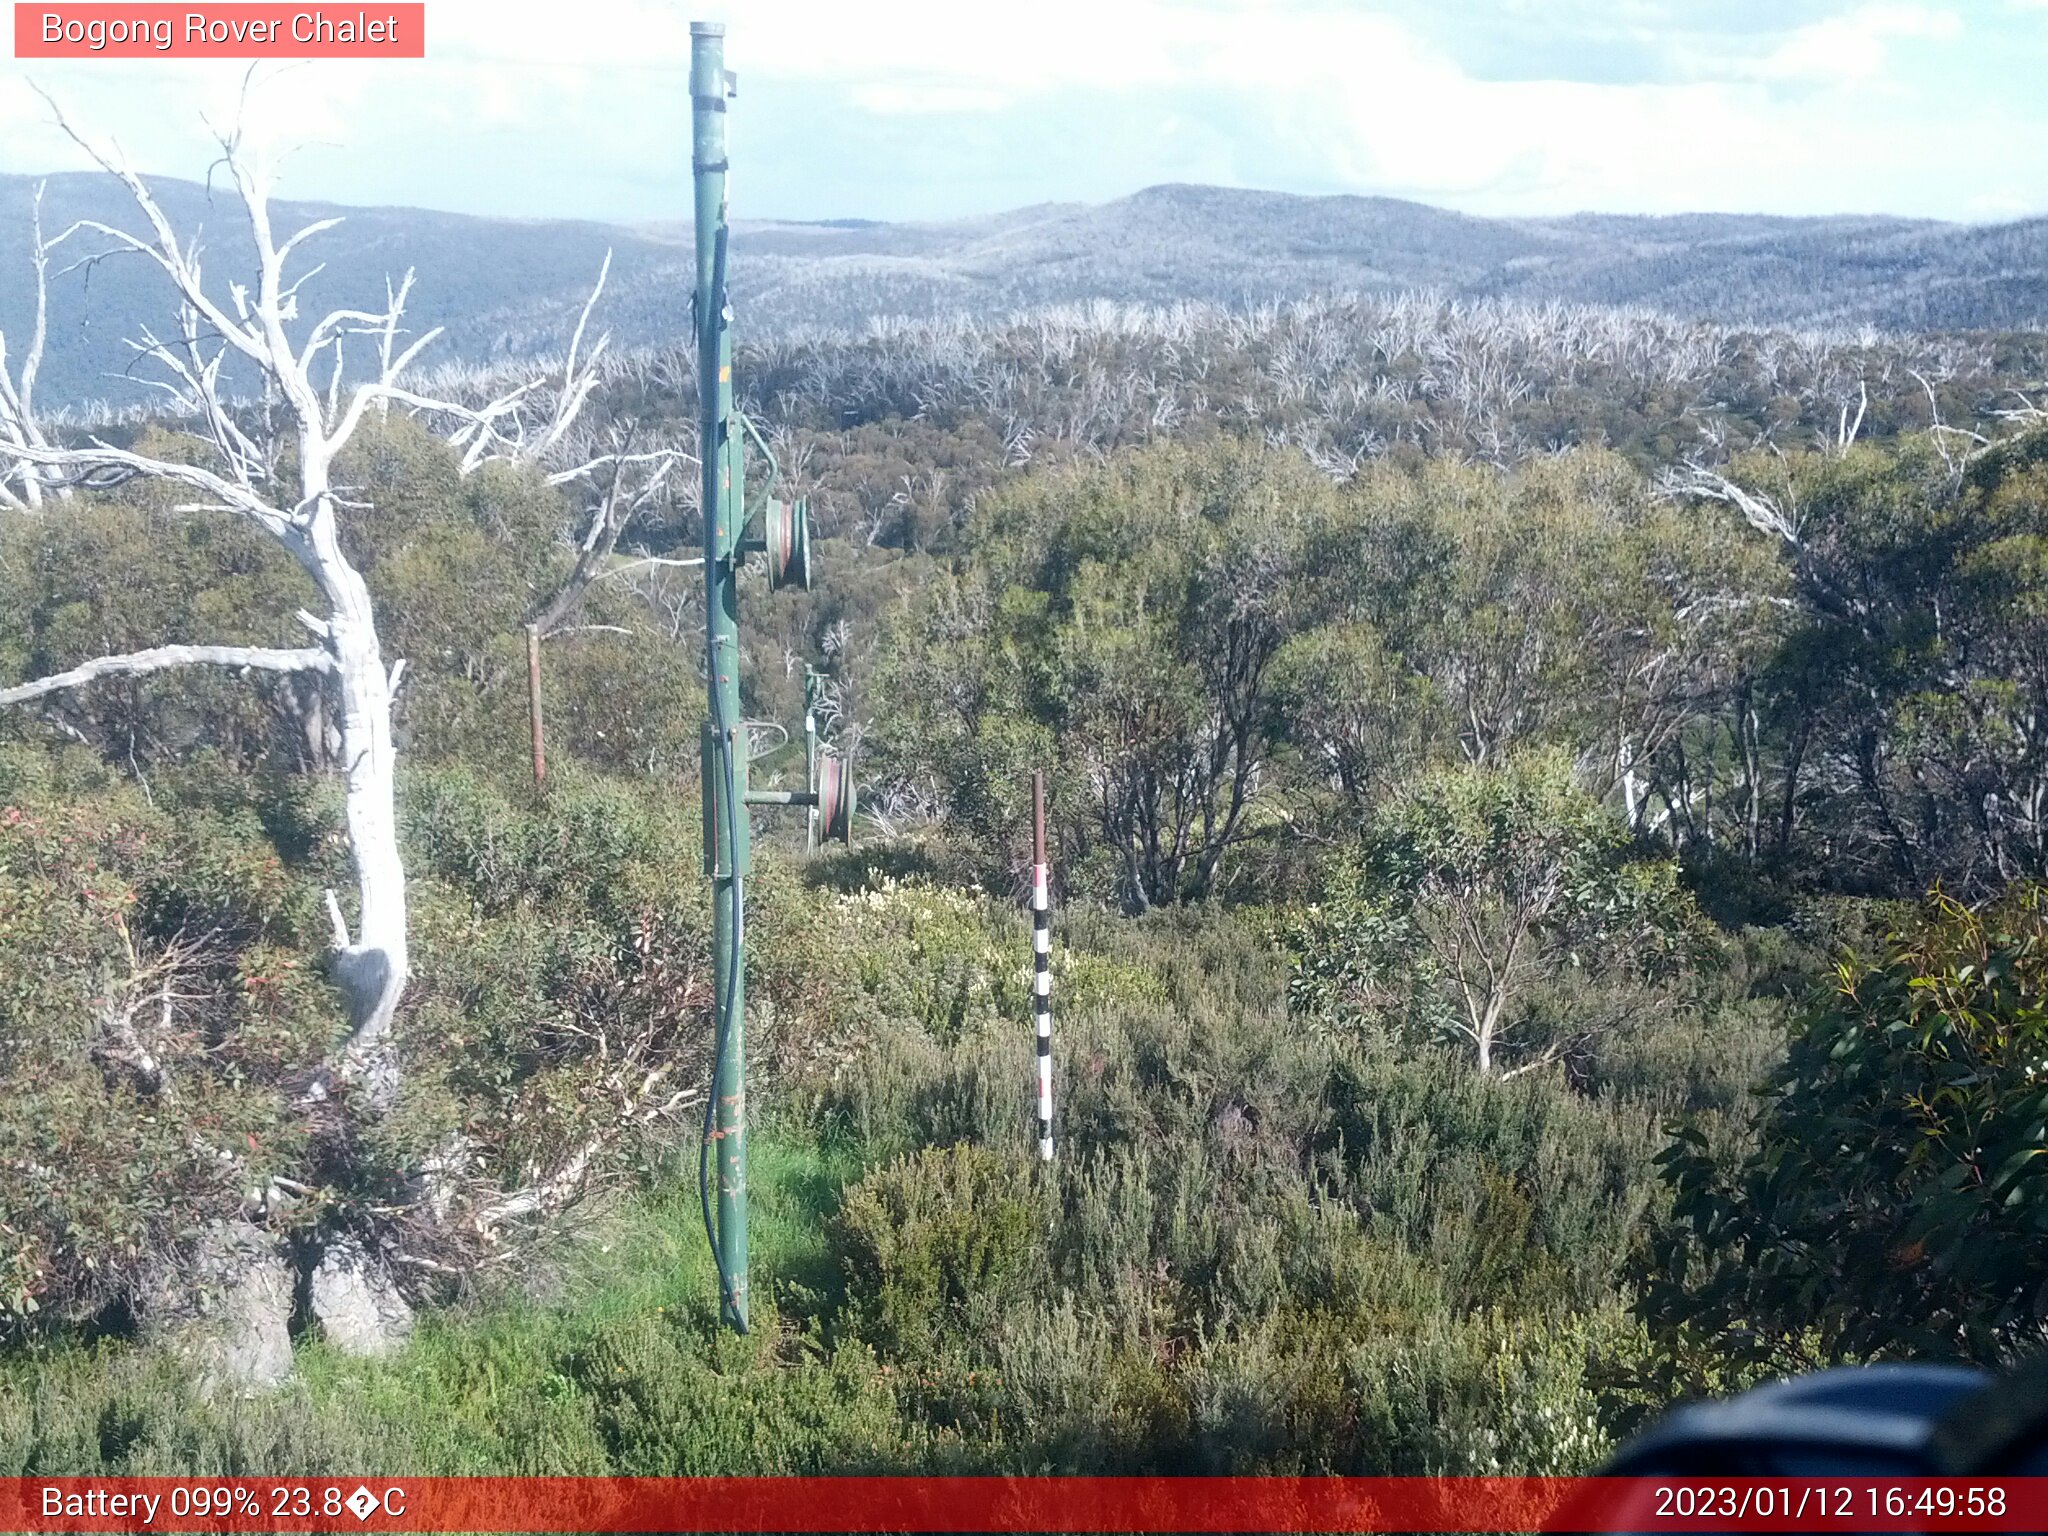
(1501, 908)
(936, 1243)
(668, 1396)
(1896, 1200)
(1453, 1395)
(155, 1013)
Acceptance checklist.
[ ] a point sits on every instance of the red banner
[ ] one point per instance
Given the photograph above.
(381, 30)
(1018, 1504)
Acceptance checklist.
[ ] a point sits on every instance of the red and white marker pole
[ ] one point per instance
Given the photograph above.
(1041, 962)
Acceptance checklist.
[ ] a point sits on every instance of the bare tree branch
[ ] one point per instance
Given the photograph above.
(17, 398)
(163, 658)
(622, 501)
(1761, 512)
(100, 466)
(312, 430)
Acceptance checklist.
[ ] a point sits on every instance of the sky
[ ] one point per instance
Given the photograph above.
(934, 109)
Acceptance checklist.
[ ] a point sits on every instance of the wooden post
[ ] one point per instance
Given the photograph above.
(540, 754)
(1041, 961)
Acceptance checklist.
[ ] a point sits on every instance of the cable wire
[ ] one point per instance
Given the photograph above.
(735, 939)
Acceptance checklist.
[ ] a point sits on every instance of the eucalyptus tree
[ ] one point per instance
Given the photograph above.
(1478, 895)
(1127, 617)
(264, 405)
(271, 462)
(1906, 685)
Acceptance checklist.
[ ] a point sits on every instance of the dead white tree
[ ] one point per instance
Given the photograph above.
(1940, 432)
(18, 423)
(1766, 514)
(252, 326)
(625, 484)
(632, 482)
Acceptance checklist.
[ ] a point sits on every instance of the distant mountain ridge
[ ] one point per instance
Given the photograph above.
(507, 288)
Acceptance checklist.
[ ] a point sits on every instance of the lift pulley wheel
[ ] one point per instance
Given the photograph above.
(833, 814)
(787, 535)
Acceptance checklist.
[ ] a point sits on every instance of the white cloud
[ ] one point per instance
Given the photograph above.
(893, 100)
(1360, 98)
(1856, 47)
(536, 106)
(157, 115)
(1115, 45)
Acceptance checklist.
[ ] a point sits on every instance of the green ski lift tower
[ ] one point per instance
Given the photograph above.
(780, 531)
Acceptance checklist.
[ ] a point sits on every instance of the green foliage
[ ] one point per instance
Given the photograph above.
(1120, 622)
(155, 1011)
(125, 572)
(1351, 700)
(1454, 1396)
(1505, 724)
(931, 956)
(1896, 1200)
(937, 1243)
(1912, 651)
(455, 565)
(624, 1368)
(162, 1006)
(1260, 1249)
(1503, 906)
(668, 1398)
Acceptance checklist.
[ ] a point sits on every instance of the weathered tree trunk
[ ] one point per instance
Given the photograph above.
(1788, 804)
(370, 762)
(358, 1306)
(1631, 794)
(225, 1310)
(372, 969)
(1870, 777)
(231, 1295)
(1752, 774)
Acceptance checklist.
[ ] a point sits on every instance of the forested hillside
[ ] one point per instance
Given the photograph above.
(509, 289)
(1548, 804)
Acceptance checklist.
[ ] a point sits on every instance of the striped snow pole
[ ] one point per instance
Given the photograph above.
(1041, 962)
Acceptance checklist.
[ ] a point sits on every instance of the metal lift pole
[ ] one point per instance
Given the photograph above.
(725, 746)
